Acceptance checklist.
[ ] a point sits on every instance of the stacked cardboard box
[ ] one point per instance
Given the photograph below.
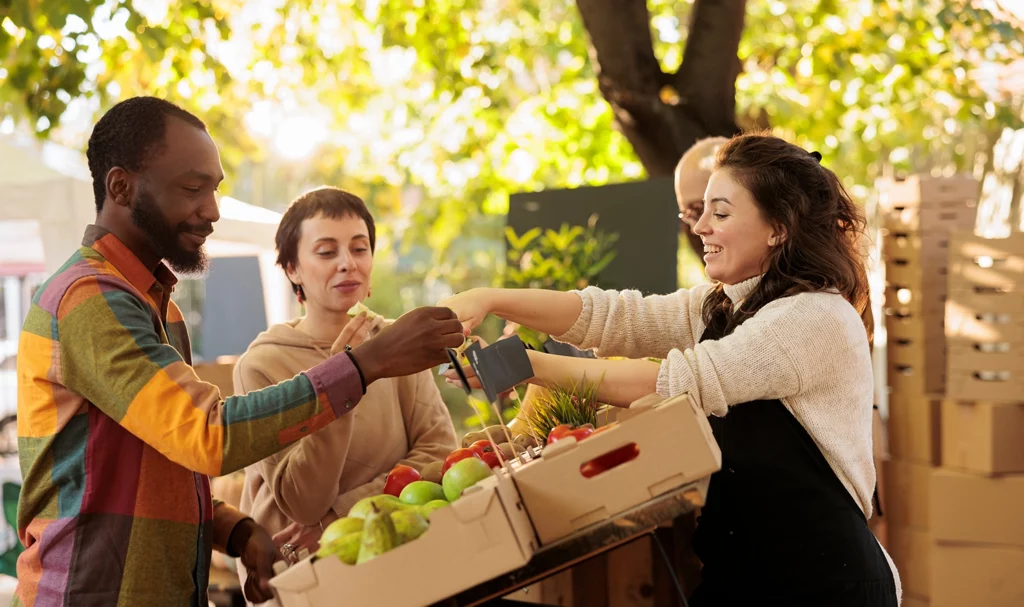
(985, 318)
(977, 548)
(920, 212)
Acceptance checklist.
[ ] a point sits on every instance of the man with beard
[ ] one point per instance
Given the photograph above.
(117, 435)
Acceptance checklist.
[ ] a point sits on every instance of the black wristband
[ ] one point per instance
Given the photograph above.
(362, 379)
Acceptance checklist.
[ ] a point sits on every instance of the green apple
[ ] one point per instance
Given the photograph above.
(339, 528)
(430, 506)
(462, 475)
(385, 503)
(409, 525)
(418, 493)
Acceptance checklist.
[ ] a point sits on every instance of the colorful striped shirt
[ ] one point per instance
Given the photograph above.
(117, 436)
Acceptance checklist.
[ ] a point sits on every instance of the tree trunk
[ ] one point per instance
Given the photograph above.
(661, 114)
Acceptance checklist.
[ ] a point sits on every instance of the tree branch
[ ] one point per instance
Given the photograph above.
(707, 77)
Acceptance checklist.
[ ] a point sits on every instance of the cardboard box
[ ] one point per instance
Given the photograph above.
(906, 379)
(913, 601)
(218, 374)
(926, 248)
(907, 493)
(914, 428)
(982, 437)
(979, 264)
(941, 219)
(910, 550)
(982, 576)
(927, 191)
(482, 535)
(915, 275)
(977, 509)
(1003, 385)
(676, 448)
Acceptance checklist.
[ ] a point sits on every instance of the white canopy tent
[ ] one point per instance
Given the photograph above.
(46, 201)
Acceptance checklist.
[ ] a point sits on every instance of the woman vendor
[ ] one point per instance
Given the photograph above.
(775, 353)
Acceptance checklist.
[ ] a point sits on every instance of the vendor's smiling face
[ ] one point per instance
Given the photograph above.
(735, 234)
(335, 262)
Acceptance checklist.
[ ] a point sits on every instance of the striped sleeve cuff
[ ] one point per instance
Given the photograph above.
(338, 379)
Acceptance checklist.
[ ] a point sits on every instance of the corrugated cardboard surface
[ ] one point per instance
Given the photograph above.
(910, 550)
(914, 428)
(218, 374)
(981, 437)
(676, 447)
(976, 576)
(907, 493)
(482, 535)
(977, 509)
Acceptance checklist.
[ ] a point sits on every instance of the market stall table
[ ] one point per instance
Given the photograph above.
(587, 543)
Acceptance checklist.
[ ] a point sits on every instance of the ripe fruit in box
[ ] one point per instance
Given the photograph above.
(462, 475)
(345, 548)
(429, 507)
(418, 493)
(609, 460)
(409, 525)
(432, 472)
(386, 503)
(456, 456)
(379, 535)
(485, 451)
(400, 476)
(340, 528)
(565, 430)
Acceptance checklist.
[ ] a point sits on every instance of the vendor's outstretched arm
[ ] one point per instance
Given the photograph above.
(551, 312)
(621, 381)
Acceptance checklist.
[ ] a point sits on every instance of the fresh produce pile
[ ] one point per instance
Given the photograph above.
(599, 464)
(401, 514)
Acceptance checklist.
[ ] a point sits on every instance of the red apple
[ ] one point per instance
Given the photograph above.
(457, 456)
(400, 476)
(485, 451)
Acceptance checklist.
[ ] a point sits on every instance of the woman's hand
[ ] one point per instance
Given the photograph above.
(296, 536)
(358, 330)
(470, 306)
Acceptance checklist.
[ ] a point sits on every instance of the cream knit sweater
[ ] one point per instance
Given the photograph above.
(809, 350)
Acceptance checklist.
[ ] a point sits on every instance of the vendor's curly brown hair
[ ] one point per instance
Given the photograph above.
(805, 201)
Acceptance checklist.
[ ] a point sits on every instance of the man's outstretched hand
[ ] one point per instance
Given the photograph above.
(416, 341)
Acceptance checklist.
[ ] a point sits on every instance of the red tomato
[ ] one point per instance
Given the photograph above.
(559, 432)
(457, 455)
(400, 476)
(485, 451)
(610, 460)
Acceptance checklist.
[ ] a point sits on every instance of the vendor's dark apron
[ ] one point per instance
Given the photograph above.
(779, 528)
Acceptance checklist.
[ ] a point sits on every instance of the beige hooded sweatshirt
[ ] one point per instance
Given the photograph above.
(399, 420)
